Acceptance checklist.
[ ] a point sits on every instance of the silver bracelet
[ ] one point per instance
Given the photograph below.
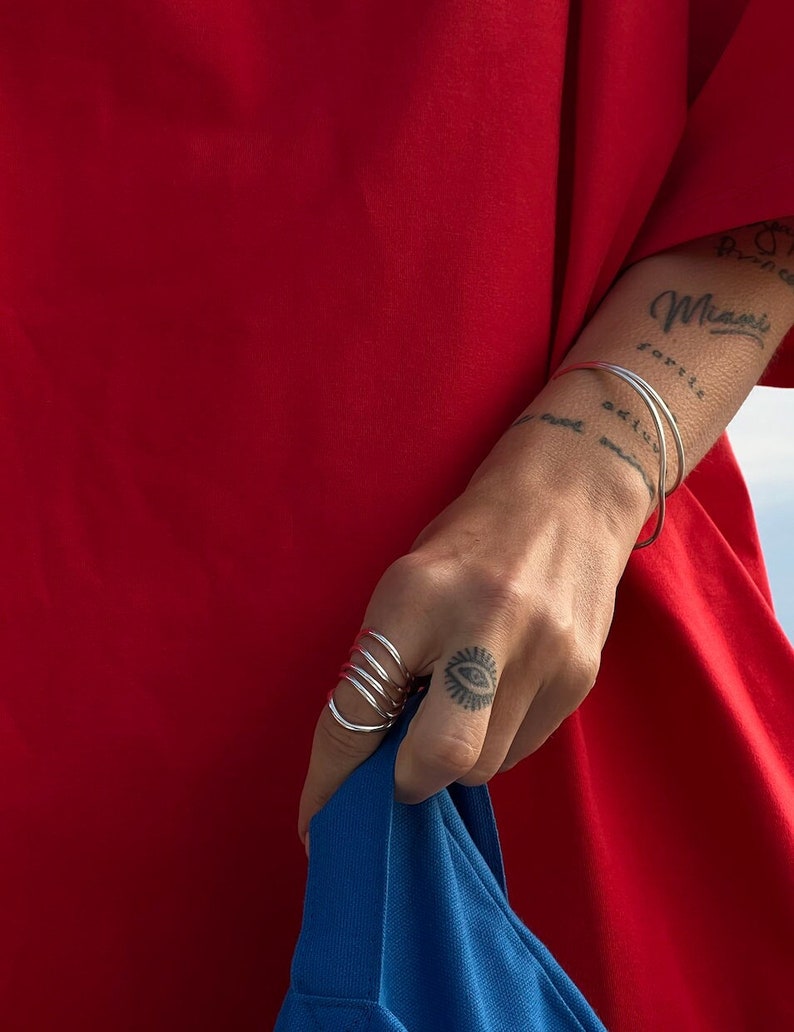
(655, 404)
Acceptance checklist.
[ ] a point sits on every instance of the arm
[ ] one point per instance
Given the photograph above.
(525, 563)
(700, 323)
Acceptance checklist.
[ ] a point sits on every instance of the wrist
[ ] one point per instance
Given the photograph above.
(602, 489)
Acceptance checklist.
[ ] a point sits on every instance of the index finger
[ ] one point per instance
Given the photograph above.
(368, 697)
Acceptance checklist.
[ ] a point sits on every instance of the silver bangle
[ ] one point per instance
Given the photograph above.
(655, 405)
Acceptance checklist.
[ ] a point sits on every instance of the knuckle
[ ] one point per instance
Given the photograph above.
(577, 677)
(505, 590)
(571, 646)
(582, 668)
(414, 576)
(452, 755)
(481, 774)
(561, 630)
(497, 602)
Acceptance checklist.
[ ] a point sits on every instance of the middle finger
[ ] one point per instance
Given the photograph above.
(445, 738)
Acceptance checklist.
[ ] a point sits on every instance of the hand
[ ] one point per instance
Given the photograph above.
(507, 598)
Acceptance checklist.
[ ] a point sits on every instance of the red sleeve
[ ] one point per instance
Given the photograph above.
(735, 162)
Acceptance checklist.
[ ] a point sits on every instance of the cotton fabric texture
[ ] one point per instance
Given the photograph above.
(406, 923)
(274, 277)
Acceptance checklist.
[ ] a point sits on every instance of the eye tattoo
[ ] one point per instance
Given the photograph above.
(470, 677)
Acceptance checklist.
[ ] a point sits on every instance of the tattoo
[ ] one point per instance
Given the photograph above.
(577, 425)
(632, 461)
(727, 248)
(668, 309)
(625, 415)
(766, 238)
(671, 363)
(470, 677)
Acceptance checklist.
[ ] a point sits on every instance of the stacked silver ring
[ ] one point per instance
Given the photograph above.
(384, 693)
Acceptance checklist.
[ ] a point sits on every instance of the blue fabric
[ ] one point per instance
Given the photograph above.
(406, 924)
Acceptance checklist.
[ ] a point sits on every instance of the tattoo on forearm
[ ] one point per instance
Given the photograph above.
(632, 460)
(769, 238)
(577, 425)
(690, 379)
(627, 417)
(470, 677)
(766, 245)
(668, 309)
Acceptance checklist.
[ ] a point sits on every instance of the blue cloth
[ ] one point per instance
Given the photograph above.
(406, 924)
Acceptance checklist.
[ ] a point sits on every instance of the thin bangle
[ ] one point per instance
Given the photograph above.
(629, 376)
(654, 403)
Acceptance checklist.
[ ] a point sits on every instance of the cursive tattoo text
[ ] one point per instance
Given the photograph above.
(671, 363)
(728, 248)
(577, 425)
(632, 460)
(627, 416)
(668, 309)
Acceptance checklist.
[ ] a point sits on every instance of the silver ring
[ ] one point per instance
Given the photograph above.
(363, 728)
(377, 678)
(376, 666)
(366, 694)
(349, 669)
(395, 655)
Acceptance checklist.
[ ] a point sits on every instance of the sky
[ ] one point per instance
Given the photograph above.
(762, 435)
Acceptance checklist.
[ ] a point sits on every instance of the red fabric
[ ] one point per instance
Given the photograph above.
(248, 253)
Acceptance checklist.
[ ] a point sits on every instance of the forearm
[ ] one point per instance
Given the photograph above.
(700, 324)
(507, 596)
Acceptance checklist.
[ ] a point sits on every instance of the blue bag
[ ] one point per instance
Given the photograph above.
(406, 925)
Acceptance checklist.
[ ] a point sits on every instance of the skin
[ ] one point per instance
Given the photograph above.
(507, 597)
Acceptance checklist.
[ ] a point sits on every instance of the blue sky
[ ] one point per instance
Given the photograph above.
(762, 435)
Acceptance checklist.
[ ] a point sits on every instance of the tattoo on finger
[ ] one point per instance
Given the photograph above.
(470, 677)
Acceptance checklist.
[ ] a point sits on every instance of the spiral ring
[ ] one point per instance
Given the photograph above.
(376, 679)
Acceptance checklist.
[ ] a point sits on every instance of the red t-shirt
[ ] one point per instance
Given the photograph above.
(273, 279)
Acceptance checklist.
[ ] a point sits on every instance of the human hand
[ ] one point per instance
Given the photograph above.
(507, 598)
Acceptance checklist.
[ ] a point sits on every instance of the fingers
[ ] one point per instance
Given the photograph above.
(474, 721)
(556, 700)
(446, 738)
(512, 667)
(369, 694)
(467, 730)
(336, 752)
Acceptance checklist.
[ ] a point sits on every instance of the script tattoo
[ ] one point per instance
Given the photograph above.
(767, 238)
(766, 244)
(577, 425)
(626, 416)
(671, 363)
(470, 677)
(668, 309)
(632, 460)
